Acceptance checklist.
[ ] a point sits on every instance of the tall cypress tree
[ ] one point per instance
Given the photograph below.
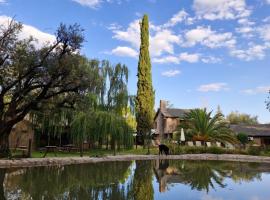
(145, 94)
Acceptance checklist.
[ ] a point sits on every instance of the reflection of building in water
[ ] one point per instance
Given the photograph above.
(166, 174)
(205, 175)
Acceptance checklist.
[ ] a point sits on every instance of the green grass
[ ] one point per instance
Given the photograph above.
(175, 149)
(91, 153)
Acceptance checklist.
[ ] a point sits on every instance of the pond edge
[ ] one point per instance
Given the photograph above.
(36, 162)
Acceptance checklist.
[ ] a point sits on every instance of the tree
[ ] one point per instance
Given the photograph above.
(145, 94)
(100, 115)
(242, 118)
(30, 77)
(243, 138)
(204, 127)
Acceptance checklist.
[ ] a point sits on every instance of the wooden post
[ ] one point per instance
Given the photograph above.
(29, 148)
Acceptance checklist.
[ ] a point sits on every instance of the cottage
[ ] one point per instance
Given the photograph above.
(259, 134)
(167, 120)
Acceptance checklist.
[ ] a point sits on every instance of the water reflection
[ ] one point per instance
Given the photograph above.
(130, 180)
(205, 175)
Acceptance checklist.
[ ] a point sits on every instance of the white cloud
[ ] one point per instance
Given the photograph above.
(252, 53)
(177, 18)
(265, 32)
(124, 51)
(191, 58)
(257, 90)
(130, 35)
(213, 87)
(171, 73)
(207, 37)
(27, 31)
(211, 59)
(3, 1)
(267, 19)
(161, 40)
(267, 1)
(95, 3)
(167, 59)
(89, 3)
(221, 9)
(244, 29)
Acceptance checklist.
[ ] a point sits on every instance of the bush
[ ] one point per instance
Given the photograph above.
(255, 151)
(216, 150)
(177, 150)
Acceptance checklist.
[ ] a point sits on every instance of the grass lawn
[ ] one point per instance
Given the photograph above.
(92, 153)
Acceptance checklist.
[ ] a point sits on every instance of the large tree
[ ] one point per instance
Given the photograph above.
(30, 77)
(242, 118)
(145, 94)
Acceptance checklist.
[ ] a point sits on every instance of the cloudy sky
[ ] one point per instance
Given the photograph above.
(204, 53)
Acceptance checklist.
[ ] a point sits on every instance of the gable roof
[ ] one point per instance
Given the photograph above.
(173, 112)
(260, 130)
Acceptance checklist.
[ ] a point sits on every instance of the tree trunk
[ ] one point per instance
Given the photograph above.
(29, 152)
(4, 142)
(81, 149)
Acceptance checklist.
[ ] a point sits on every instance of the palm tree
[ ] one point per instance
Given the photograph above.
(203, 127)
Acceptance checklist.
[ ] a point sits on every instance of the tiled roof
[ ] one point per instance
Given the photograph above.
(252, 130)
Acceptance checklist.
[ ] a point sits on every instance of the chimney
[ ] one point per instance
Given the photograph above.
(163, 105)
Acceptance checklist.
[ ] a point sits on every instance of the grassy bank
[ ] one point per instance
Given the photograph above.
(174, 150)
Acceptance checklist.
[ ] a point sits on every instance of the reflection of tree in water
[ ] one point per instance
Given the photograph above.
(141, 185)
(101, 180)
(204, 175)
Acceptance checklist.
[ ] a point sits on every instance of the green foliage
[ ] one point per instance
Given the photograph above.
(242, 118)
(31, 76)
(101, 115)
(145, 94)
(243, 138)
(179, 149)
(202, 125)
(255, 151)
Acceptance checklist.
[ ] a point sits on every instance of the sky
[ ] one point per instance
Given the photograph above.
(204, 53)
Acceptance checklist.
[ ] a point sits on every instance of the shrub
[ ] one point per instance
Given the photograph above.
(254, 151)
(243, 138)
(177, 150)
(216, 150)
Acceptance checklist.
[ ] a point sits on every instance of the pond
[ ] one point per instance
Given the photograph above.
(140, 180)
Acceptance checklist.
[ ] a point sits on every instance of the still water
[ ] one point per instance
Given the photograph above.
(140, 180)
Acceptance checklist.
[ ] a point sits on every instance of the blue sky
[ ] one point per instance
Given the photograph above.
(204, 52)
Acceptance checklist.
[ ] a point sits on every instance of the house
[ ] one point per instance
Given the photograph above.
(167, 120)
(259, 134)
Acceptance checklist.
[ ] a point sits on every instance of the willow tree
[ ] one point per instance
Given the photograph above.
(105, 123)
(145, 94)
